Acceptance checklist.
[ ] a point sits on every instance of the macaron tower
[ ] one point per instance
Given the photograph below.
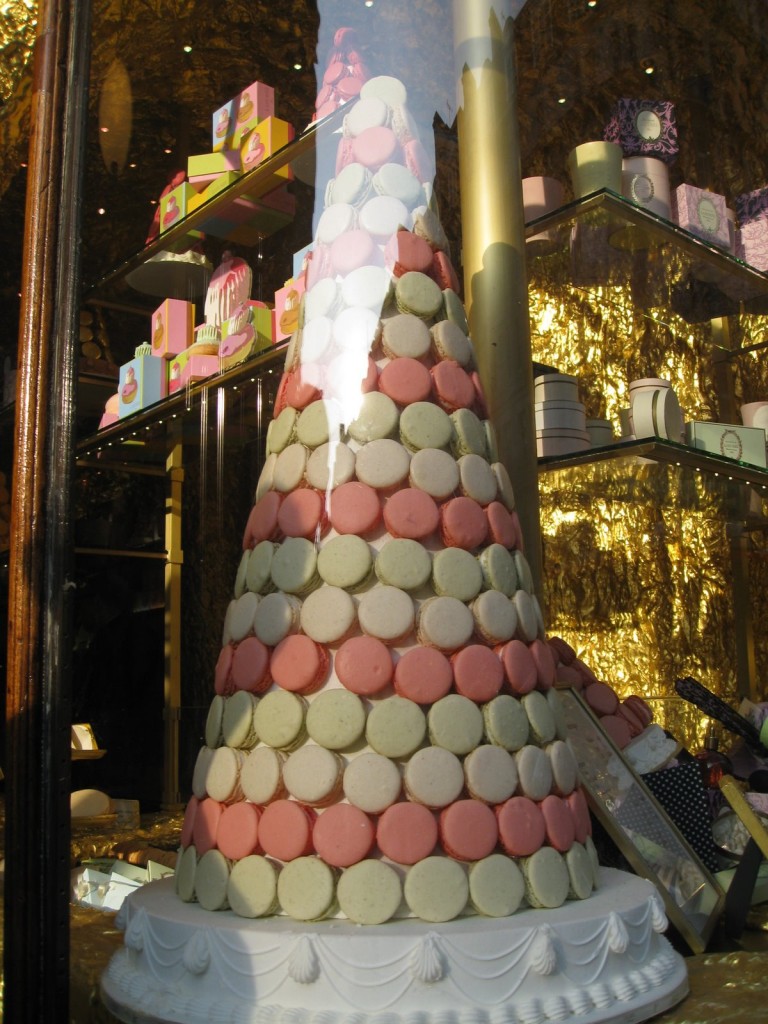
(385, 738)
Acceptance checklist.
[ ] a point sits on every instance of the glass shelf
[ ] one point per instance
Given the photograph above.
(662, 451)
(605, 239)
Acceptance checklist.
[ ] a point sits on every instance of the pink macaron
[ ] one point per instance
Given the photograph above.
(301, 514)
(262, 521)
(343, 835)
(351, 250)
(411, 513)
(522, 830)
(558, 822)
(452, 384)
(463, 524)
(418, 161)
(577, 804)
(364, 665)
(640, 708)
(407, 832)
(238, 832)
(477, 672)
(601, 698)
(188, 824)
(375, 146)
(469, 830)
(354, 508)
(299, 664)
(299, 392)
(206, 825)
(502, 528)
(285, 829)
(423, 675)
(250, 665)
(222, 680)
(481, 406)
(444, 273)
(405, 252)
(634, 722)
(405, 380)
(617, 728)
(544, 660)
(519, 666)
(565, 653)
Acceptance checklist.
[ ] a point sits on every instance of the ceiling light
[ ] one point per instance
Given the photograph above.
(591, 3)
(187, 48)
(297, 67)
(167, 150)
(101, 211)
(369, 3)
(561, 100)
(104, 129)
(650, 69)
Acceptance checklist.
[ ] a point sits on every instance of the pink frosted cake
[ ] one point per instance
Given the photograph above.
(384, 745)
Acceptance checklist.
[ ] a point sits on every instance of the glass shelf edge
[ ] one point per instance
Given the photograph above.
(660, 451)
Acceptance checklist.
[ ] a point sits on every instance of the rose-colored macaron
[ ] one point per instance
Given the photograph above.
(463, 523)
(452, 384)
(558, 822)
(375, 146)
(411, 513)
(568, 676)
(481, 406)
(519, 666)
(406, 252)
(444, 273)
(222, 680)
(634, 722)
(544, 660)
(354, 508)
(601, 698)
(299, 664)
(262, 521)
(206, 825)
(238, 832)
(188, 824)
(477, 672)
(577, 804)
(423, 675)
(563, 650)
(585, 671)
(250, 665)
(285, 829)
(301, 513)
(299, 392)
(405, 380)
(351, 250)
(521, 826)
(640, 708)
(617, 728)
(364, 665)
(502, 528)
(468, 830)
(407, 832)
(343, 835)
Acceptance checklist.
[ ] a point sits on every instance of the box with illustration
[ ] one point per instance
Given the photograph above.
(172, 327)
(142, 381)
(246, 332)
(286, 312)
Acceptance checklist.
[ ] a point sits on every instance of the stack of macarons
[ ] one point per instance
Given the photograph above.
(385, 698)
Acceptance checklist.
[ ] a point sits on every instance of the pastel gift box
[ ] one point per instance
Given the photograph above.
(751, 205)
(752, 243)
(224, 124)
(187, 367)
(286, 311)
(203, 168)
(142, 382)
(266, 138)
(254, 104)
(702, 213)
(745, 444)
(301, 259)
(247, 332)
(644, 128)
(172, 327)
(175, 205)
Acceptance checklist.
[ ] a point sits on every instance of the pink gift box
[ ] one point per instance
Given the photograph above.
(702, 213)
(172, 327)
(751, 205)
(301, 260)
(644, 128)
(254, 104)
(752, 243)
(186, 368)
(285, 316)
(175, 205)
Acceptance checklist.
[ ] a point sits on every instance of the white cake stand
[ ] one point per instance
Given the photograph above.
(596, 960)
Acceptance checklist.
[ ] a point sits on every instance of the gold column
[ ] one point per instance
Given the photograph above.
(174, 561)
(495, 282)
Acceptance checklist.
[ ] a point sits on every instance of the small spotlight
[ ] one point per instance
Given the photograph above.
(187, 48)
(369, 3)
(297, 67)
(101, 211)
(561, 100)
(650, 69)
(167, 150)
(591, 3)
(104, 129)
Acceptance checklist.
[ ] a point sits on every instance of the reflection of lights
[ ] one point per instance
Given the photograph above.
(104, 129)
(369, 3)
(101, 210)
(297, 66)
(561, 100)
(187, 49)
